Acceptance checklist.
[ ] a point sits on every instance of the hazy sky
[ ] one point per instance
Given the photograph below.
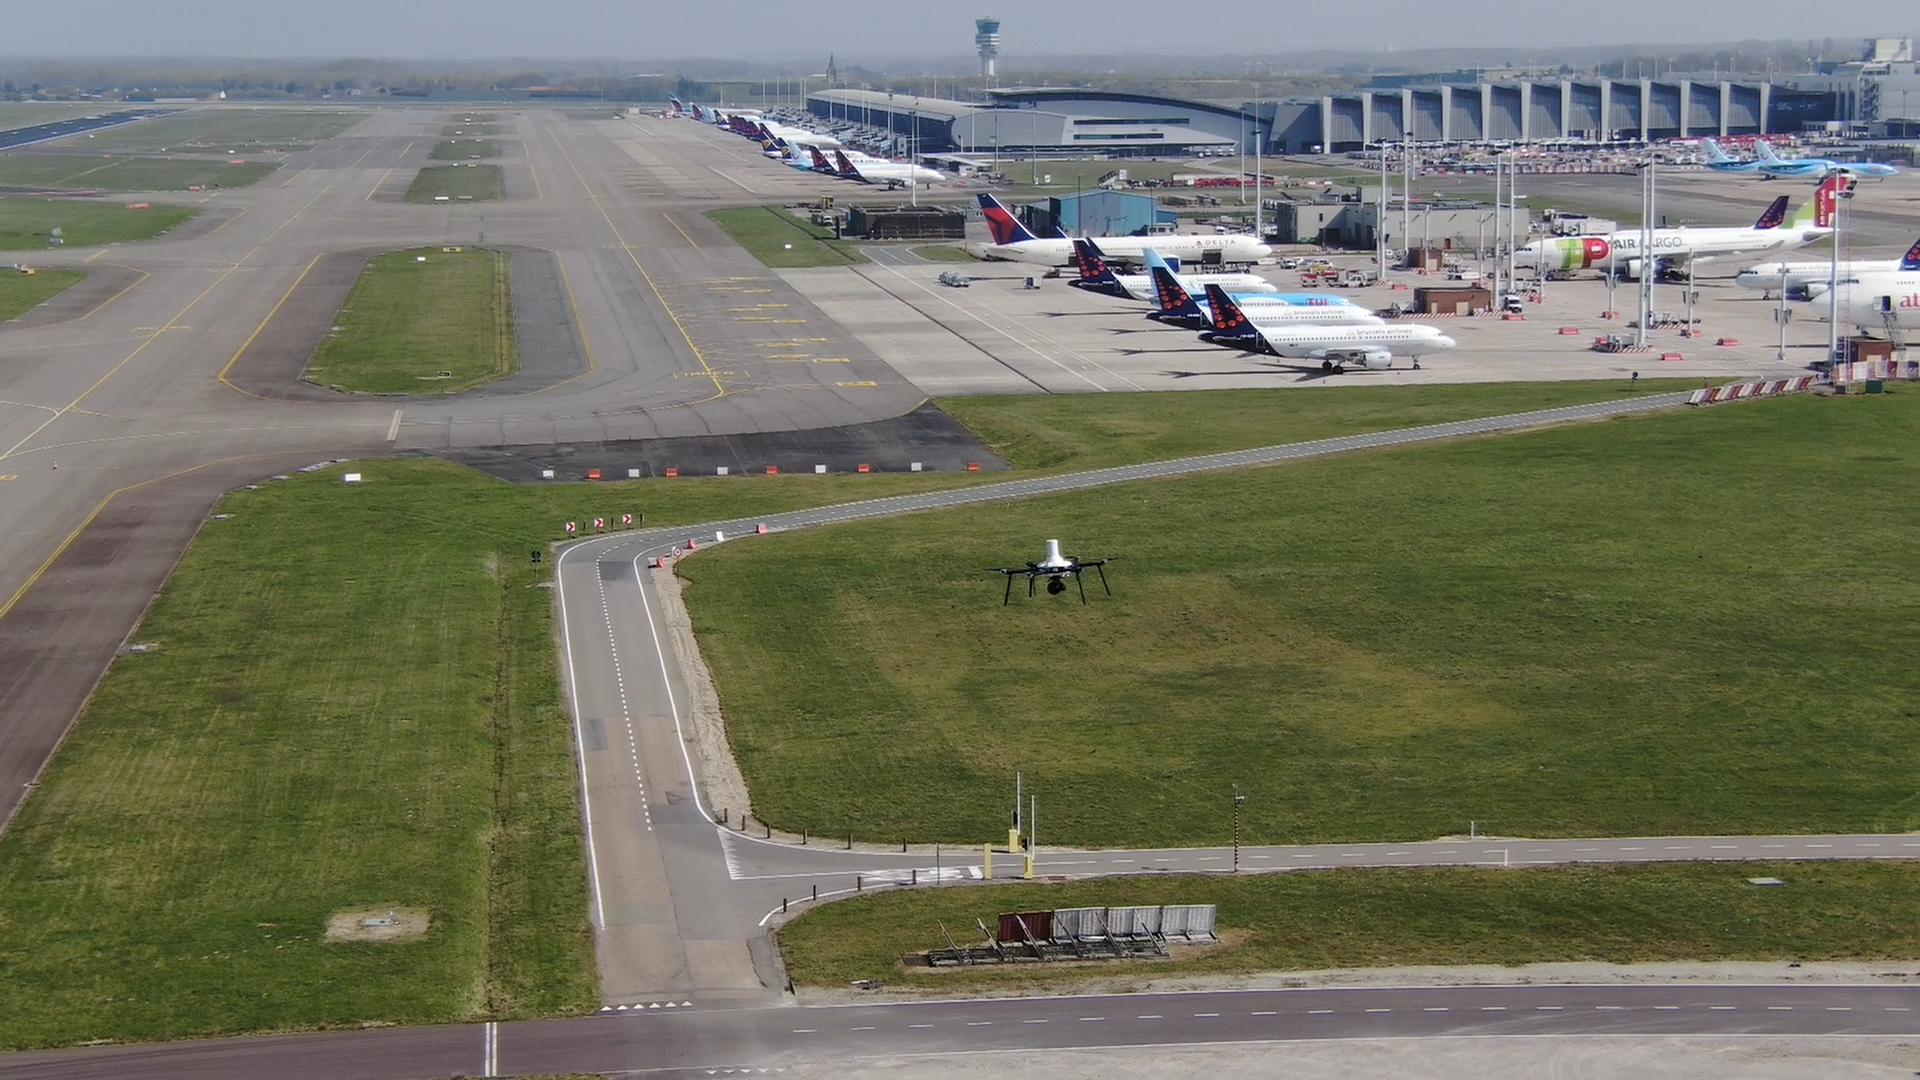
(649, 29)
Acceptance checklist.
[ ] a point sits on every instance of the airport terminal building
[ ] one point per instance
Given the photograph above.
(1080, 122)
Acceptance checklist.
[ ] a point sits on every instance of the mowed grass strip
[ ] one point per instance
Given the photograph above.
(1637, 627)
(1322, 920)
(119, 172)
(224, 129)
(464, 148)
(765, 231)
(1088, 431)
(21, 293)
(26, 224)
(409, 326)
(353, 704)
(457, 183)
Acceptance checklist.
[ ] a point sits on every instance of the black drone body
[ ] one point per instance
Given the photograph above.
(1056, 569)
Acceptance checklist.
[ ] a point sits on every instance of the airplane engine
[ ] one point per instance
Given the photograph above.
(1377, 360)
(1808, 291)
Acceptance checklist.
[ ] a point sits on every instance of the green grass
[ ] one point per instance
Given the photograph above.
(458, 182)
(19, 114)
(943, 253)
(765, 231)
(223, 130)
(21, 293)
(1325, 920)
(1638, 627)
(1081, 431)
(116, 172)
(465, 148)
(26, 223)
(412, 327)
(355, 701)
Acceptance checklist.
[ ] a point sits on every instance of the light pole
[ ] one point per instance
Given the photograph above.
(1238, 799)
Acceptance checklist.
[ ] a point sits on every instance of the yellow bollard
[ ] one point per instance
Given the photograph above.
(1029, 874)
(986, 863)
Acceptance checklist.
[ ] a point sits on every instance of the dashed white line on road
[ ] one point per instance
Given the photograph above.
(919, 1025)
(1205, 1014)
(1493, 1008)
(1380, 1010)
(1268, 1012)
(1436, 1008)
(1033, 1021)
(1092, 1019)
(860, 1029)
(1550, 1008)
(1779, 1008)
(1150, 1016)
(1666, 1008)
(979, 1023)
(1721, 1008)
(1319, 1012)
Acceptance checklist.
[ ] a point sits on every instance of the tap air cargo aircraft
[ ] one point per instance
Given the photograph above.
(1011, 240)
(1370, 347)
(1684, 248)
(1097, 276)
(1888, 300)
(1179, 308)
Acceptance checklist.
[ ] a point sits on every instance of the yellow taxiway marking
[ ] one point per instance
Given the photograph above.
(659, 297)
(788, 356)
(831, 360)
(703, 374)
(143, 276)
(682, 232)
(862, 382)
(9, 476)
(789, 321)
(753, 318)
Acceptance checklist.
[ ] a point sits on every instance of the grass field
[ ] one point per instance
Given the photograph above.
(1383, 918)
(354, 702)
(767, 232)
(464, 148)
(1083, 431)
(25, 224)
(21, 293)
(19, 114)
(1638, 627)
(224, 130)
(437, 326)
(117, 172)
(458, 182)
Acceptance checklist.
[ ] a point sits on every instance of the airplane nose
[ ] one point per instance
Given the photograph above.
(1445, 342)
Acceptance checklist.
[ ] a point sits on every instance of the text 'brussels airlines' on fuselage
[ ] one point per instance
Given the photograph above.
(1012, 240)
(1682, 248)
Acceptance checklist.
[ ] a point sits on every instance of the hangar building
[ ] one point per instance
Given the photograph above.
(1082, 122)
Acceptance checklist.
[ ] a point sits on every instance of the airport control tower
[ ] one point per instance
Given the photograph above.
(986, 38)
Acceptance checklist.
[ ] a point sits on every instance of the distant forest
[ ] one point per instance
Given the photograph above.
(1213, 77)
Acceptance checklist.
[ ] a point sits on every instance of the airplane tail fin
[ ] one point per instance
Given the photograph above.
(1093, 268)
(820, 162)
(1175, 301)
(846, 166)
(1765, 150)
(1006, 228)
(1910, 262)
(1716, 155)
(1229, 322)
(1818, 211)
(678, 109)
(1774, 215)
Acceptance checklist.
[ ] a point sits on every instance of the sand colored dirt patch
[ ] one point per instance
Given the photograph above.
(378, 924)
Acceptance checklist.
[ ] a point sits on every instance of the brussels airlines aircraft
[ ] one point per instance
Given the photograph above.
(1011, 240)
(1263, 309)
(1889, 299)
(1097, 276)
(1684, 247)
(1371, 347)
(1806, 280)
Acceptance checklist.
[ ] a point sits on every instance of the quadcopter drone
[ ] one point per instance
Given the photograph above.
(1056, 568)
